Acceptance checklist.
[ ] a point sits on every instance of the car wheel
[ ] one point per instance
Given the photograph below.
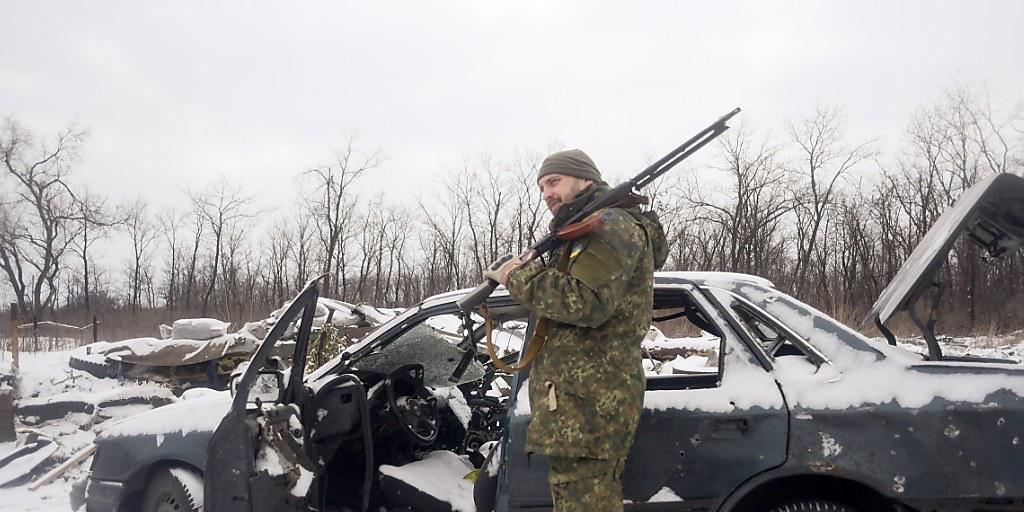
(814, 506)
(174, 490)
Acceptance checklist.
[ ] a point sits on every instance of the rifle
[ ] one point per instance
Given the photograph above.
(475, 298)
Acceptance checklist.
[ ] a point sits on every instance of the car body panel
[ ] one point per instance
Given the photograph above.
(991, 211)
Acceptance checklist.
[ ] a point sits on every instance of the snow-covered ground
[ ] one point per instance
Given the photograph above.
(45, 377)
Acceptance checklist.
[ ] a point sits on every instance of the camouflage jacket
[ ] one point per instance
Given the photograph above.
(587, 384)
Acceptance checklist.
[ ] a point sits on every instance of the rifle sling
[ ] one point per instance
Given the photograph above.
(540, 334)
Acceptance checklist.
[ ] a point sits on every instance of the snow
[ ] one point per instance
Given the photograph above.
(440, 474)
(19, 465)
(523, 399)
(863, 371)
(44, 377)
(168, 352)
(198, 328)
(656, 340)
(456, 401)
(725, 279)
(192, 483)
(204, 414)
(664, 495)
(744, 385)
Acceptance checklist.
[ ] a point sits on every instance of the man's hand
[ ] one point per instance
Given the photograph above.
(503, 266)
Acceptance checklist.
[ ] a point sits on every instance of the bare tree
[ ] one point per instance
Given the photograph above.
(333, 208)
(36, 225)
(142, 231)
(94, 222)
(198, 223)
(302, 249)
(280, 242)
(824, 159)
(527, 215)
(170, 222)
(751, 217)
(221, 206)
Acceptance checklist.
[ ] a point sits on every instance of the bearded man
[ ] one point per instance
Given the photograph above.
(587, 384)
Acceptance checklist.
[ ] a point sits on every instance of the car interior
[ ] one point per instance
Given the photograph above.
(396, 406)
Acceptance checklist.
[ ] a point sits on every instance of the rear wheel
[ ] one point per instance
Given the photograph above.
(814, 506)
(174, 490)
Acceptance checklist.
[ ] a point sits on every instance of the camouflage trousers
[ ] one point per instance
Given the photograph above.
(584, 485)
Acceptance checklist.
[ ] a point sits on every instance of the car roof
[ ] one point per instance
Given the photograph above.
(723, 279)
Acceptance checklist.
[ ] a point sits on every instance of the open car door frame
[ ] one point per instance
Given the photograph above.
(231, 472)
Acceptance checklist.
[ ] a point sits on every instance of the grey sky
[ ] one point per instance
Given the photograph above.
(175, 93)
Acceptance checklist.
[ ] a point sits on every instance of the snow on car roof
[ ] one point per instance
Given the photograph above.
(726, 279)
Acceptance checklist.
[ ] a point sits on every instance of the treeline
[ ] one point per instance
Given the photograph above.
(825, 217)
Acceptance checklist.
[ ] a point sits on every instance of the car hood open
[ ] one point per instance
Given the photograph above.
(991, 214)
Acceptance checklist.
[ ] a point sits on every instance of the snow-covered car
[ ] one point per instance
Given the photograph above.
(786, 410)
(201, 351)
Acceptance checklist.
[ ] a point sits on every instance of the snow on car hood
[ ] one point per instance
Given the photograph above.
(200, 414)
(864, 372)
(992, 205)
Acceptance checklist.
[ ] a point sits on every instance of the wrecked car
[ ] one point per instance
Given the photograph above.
(201, 351)
(759, 402)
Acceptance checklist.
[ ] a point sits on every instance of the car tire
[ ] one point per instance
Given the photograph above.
(814, 506)
(174, 490)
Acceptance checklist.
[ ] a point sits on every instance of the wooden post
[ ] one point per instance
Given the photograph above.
(14, 338)
(62, 468)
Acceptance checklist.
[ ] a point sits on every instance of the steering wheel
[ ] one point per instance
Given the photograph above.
(412, 405)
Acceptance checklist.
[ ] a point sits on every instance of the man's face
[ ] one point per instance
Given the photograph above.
(558, 189)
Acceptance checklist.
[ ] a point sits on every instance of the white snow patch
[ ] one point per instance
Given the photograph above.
(523, 399)
(664, 495)
(203, 414)
(193, 484)
(301, 487)
(456, 402)
(20, 466)
(440, 474)
(877, 374)
(198, 328)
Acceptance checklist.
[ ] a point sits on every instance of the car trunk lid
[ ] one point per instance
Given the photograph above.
(990, 214)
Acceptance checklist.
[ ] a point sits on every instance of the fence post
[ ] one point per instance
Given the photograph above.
(14, 338)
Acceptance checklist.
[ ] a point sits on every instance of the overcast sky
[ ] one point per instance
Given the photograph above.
(176, 93)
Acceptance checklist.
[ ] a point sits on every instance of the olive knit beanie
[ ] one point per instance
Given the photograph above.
(571, 162)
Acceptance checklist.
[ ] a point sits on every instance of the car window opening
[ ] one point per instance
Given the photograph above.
(683, 348)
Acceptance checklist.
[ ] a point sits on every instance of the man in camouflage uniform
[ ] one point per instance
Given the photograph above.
(587, 383)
